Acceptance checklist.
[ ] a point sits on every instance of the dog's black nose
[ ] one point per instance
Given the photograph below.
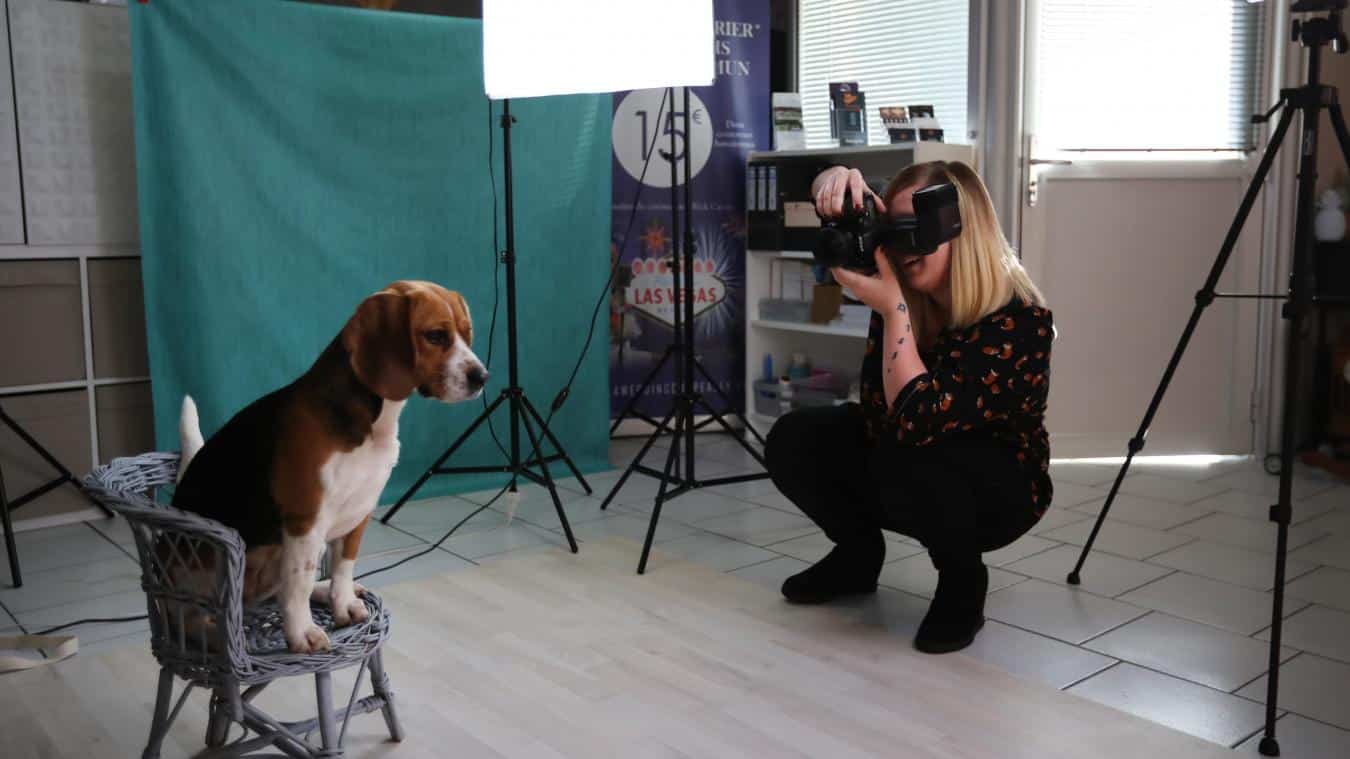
(477, 377)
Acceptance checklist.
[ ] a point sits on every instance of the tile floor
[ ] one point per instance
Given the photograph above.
(1170, 623)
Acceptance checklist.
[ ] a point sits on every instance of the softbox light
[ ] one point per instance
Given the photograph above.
(533, 48)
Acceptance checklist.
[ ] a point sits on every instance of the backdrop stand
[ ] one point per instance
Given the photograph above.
(1309, 101)
(513, 396)
(7, 506)
(682, 349)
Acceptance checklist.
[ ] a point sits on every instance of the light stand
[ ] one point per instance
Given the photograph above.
(7, 506)
(521, 410)
(1309, 100)
(687, 400)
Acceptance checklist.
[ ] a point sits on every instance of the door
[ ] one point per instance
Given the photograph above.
(1138, 158)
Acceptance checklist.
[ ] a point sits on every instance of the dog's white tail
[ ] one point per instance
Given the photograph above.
(189, 434)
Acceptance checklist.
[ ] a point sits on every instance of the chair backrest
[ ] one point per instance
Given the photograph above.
(192, 570)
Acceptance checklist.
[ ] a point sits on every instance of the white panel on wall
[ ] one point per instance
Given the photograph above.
(11, 192)
(72, 75)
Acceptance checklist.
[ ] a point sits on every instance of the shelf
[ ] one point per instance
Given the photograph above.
(818, 329)
(797, 255)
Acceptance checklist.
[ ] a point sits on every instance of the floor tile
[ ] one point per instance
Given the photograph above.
(1027, 545)
(1229, 564)
(115, 605)
(916, 575)
(57, 547)
(747, 491)
(1337, 498)
(1070, 615)
(713, 551)
(1311, 686)
(1103, 573)
(638, 488)
(116, 529)
(1250, 534)
(1190, 708)
(1302, 738)
(771, 573)
(694, 507)
(1257, 507)
(477, 545)
(1333, 551)
(1168, 489)
(537, 508)
(631, 526)
(436, 562)
(813, 547)
(897, 612)
(1255, 480)
(775, 500)
(1055, 518)
(1189, 650)
(1121, 539)
(759, 526)
(138, 639)
(1318, 630)
(1199, 599)
(64, 585)
(432, 518)
(1035, 657)
(1144, 512)
(1335, 521)
(1328, 586)
(1068, 494)
(379, 538)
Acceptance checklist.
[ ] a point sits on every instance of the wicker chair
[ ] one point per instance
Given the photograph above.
(200, 631)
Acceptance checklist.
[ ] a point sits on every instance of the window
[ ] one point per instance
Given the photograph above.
(900, 52)
(1146, 74)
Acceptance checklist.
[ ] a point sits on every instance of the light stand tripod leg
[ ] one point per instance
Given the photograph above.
(637, 460)
(686, 417)
(403, 499)
(1202, 301)
(1342, 135)
(718, 417)
(11, 550)
(547, 481)
(745, 422)
(632, 402)
(53, 462)
(530, 410)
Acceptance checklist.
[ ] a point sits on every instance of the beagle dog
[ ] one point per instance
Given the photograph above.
(301, 468)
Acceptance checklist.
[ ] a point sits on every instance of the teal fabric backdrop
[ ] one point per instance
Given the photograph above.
(294, 158)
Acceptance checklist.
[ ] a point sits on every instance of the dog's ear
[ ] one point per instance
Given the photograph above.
(460, 309)
(378, 338)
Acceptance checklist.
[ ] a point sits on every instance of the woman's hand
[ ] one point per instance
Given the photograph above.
(829, 186)
(880, 291)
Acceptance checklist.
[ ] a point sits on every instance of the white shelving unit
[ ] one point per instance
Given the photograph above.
(832, 345)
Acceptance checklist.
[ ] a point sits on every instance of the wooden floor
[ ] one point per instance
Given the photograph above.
(546, 654)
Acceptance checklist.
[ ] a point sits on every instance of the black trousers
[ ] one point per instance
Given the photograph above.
(959, 498)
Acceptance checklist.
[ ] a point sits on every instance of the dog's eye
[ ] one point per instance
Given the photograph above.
(438, 337)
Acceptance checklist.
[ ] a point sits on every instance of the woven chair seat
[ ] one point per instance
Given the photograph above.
(265, 641)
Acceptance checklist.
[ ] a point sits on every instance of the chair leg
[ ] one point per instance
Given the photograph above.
(218, 723)
(379, 682)
(328, 734)
(12, 550)
(160, 723)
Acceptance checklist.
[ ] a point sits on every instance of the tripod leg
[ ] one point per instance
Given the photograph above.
(1342, 134)
(11, 550)
(686, 417)
(530, 410)
(403, 499)
(651, 439)
(628, 407)
(548, 482)
(727, 426)
(53, 462)
(1202, 301)
(727, 400)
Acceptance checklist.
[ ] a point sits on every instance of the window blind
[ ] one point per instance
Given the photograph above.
(1146, 74)
(900, 52)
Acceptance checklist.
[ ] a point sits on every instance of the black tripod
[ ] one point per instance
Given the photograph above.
(688, 400)
(522, 411)
(6, 506)
(1309, 100)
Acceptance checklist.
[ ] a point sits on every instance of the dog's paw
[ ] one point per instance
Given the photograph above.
(309, 639)
(360, 589)
(350, 610)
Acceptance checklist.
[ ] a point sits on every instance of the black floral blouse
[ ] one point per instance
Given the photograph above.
(990, 379)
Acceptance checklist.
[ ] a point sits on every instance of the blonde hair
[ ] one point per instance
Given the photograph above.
(985, 271)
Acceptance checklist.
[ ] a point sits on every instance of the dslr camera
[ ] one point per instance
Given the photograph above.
(848, 241)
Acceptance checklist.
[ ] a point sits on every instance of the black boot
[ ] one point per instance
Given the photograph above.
(957, 611)
(848, 569)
